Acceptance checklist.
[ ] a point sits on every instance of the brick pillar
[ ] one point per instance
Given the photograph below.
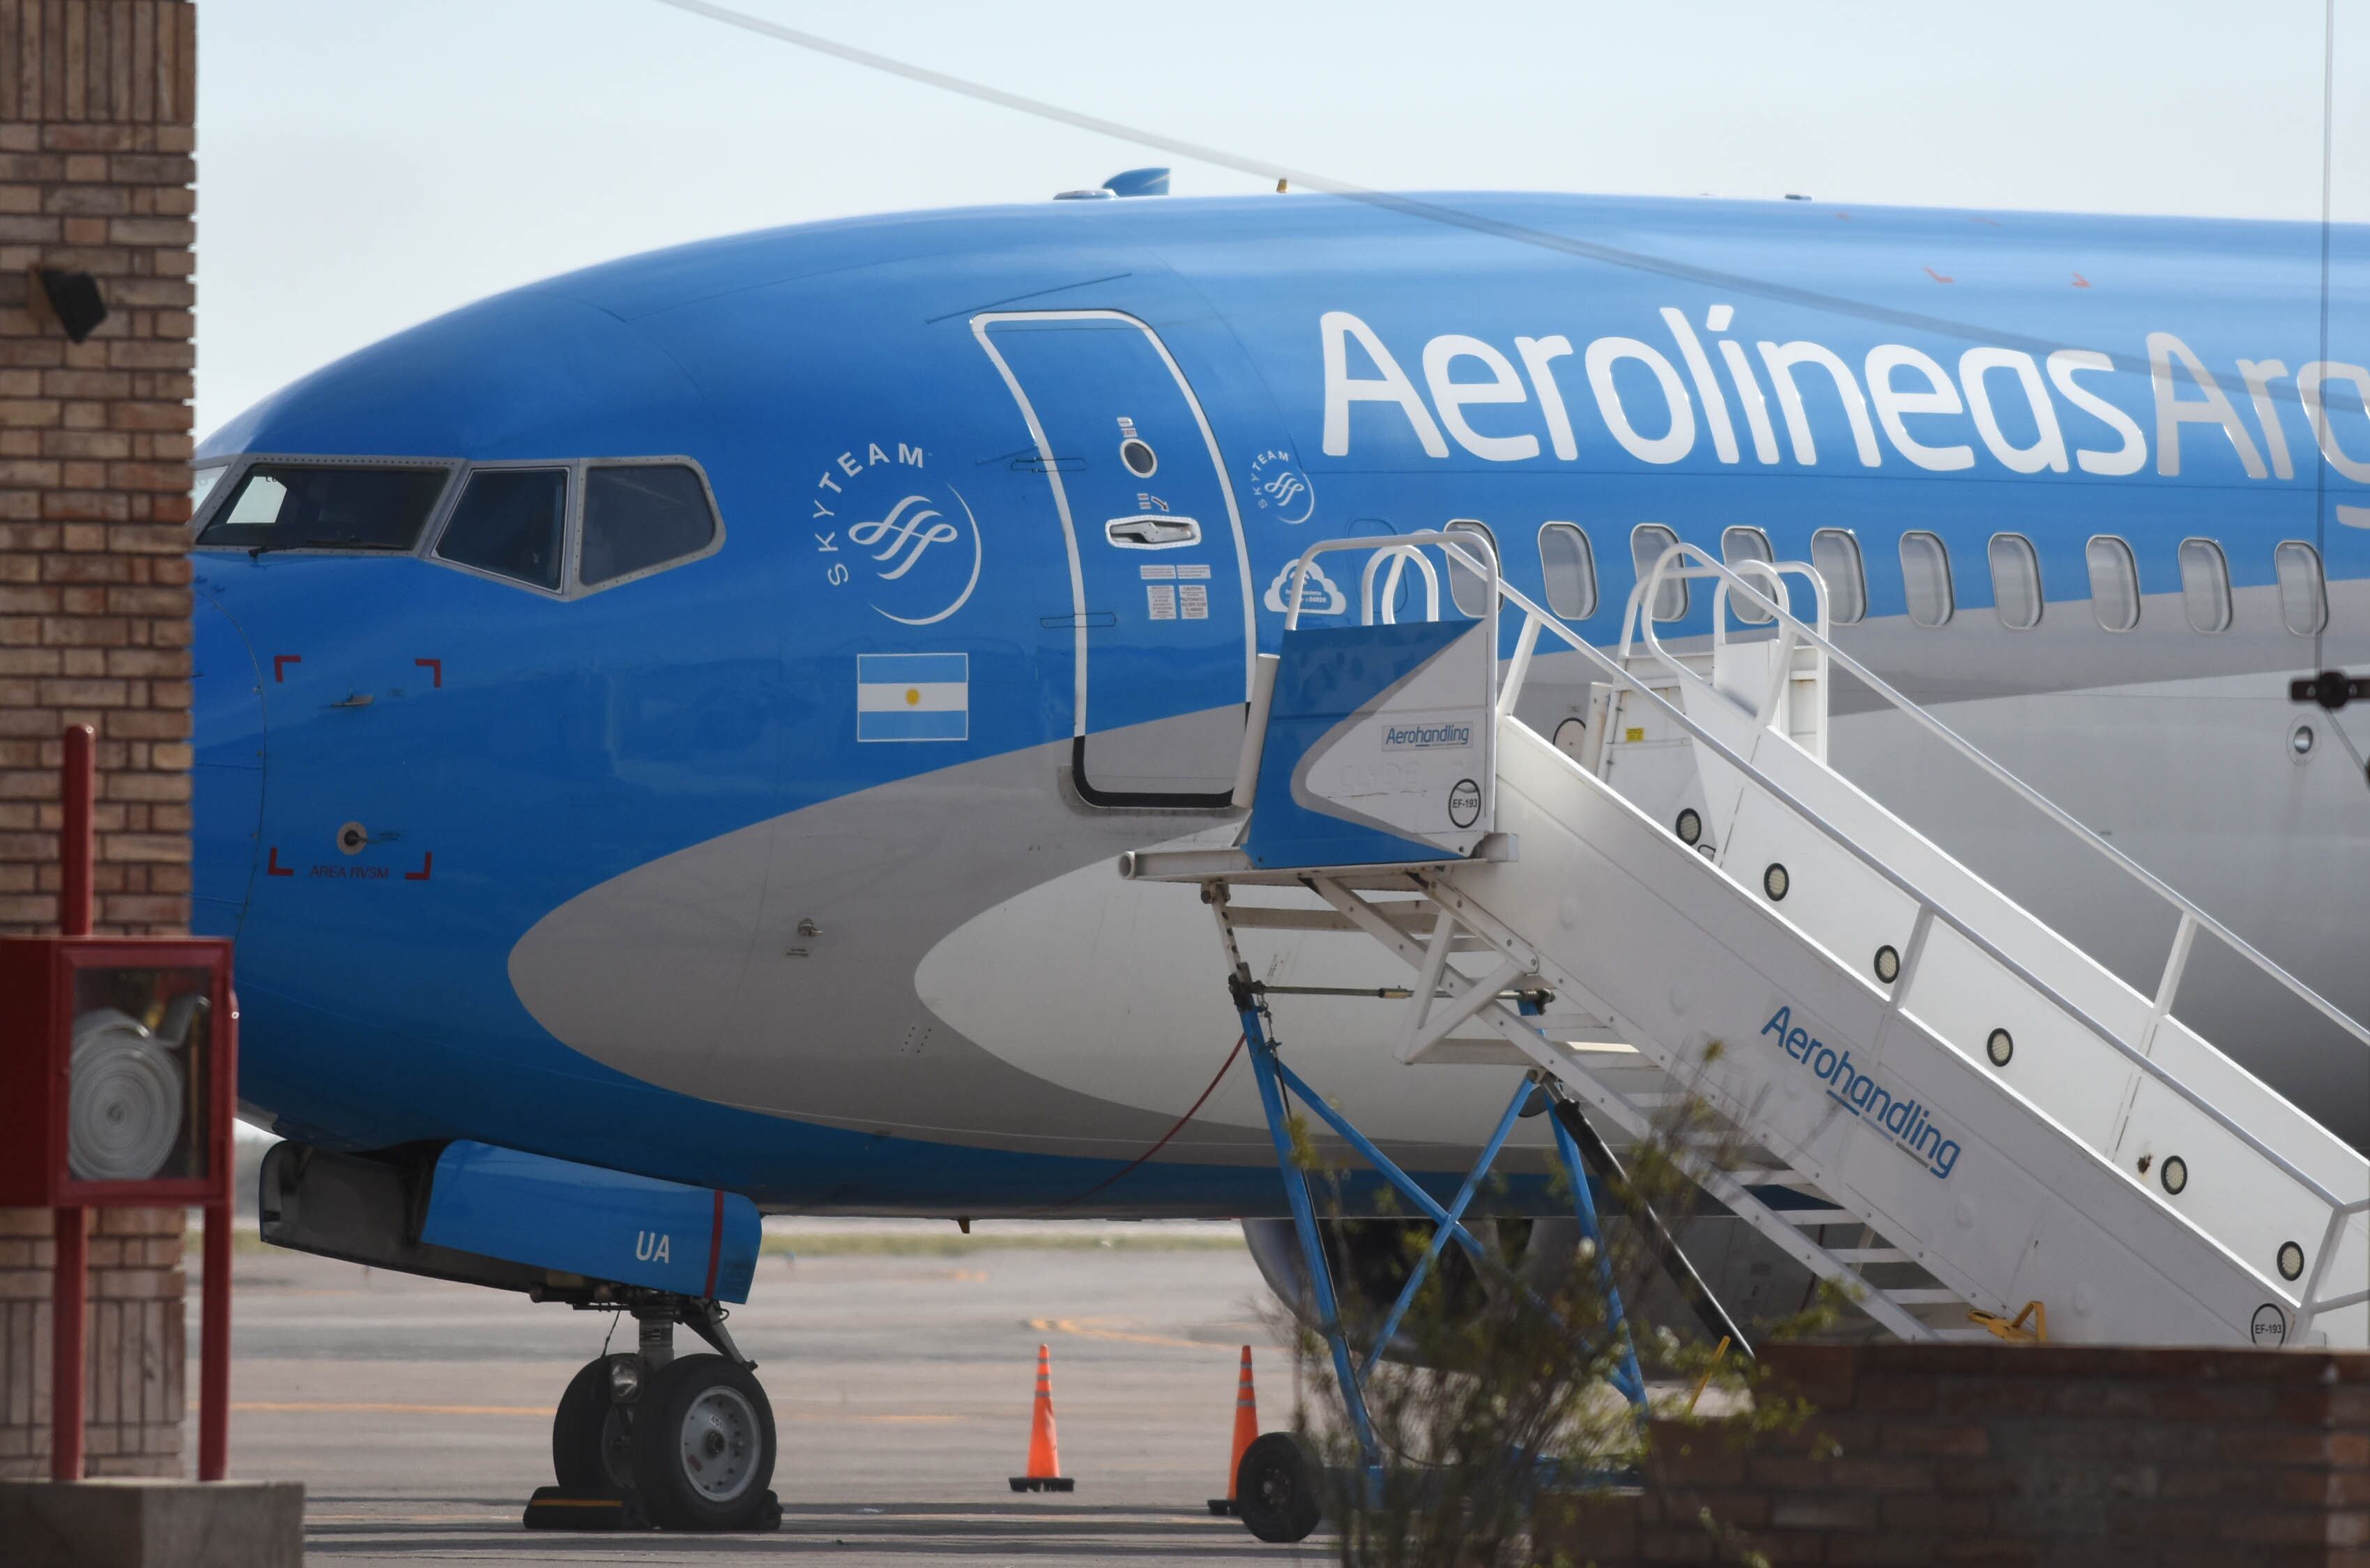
(97, 100)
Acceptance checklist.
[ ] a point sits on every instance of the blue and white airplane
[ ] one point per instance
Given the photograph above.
(677, 719)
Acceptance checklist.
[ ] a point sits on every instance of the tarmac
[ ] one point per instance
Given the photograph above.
(900, 1358)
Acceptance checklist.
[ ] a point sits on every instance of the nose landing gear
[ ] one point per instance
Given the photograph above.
(648, 1438)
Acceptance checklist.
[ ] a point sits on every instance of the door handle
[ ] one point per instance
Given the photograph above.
(1152, 530)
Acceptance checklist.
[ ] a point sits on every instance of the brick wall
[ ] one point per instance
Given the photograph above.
(97, 100)
(132, 1409)
(2018, 1456)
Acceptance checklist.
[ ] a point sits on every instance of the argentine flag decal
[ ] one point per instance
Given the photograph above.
(913, 696)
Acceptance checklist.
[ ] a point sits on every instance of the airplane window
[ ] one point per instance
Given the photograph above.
(201, 484)
(1739, 545)
(258, 502)
(2205, 586)
(289, 506)
(1647, 542)
(1925, 578)
(641, 515)
(512, 523)
(2114, 582)
(1836, 553)
(2016, 581)
(1470, 592)
(2303, 597)
(1570, 569)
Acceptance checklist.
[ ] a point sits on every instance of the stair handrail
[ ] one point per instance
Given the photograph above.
(1535, 618)
(2192, 917)
(1399, 556)
(1399, 549)
(1782, 666)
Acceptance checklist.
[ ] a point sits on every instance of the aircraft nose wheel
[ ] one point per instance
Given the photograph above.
(703, 1447)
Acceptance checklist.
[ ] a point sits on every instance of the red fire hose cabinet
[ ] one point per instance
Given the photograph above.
(118, 1074)
(118, 1069)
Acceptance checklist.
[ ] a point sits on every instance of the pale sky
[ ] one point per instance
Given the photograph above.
(365, 167)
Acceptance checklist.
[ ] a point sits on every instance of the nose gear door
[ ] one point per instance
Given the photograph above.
(1161, 590)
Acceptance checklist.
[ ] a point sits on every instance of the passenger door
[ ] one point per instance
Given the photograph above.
(1161, 585)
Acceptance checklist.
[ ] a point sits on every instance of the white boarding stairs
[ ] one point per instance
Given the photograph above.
(1915, 1087)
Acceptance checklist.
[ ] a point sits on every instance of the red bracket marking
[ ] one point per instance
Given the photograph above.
(2080, 282)
(435, 667)
(272, 866)
(280, 662)
(1938, 277)
(427, 865)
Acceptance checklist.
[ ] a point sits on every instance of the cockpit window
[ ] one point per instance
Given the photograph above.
(289, 506)
(639, 516)
(512, 523)
(201, 484)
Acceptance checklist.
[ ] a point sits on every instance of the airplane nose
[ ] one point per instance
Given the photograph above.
(226, 775)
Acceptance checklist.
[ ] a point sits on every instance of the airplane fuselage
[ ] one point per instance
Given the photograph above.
(781, 862)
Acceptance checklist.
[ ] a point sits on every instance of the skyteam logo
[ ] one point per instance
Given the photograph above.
(912, 526)
(1913, 1130)
(1280, 490)
(1447, 736)
(878, 521)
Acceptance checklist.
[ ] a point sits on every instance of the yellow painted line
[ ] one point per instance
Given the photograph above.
(377, 1407)
(380, 1407)
(1087, 1328)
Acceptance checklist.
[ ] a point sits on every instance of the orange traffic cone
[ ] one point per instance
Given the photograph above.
(1245, 1430)
(1044, 1449)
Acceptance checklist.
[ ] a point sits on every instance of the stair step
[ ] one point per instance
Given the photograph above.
(1934, 1297)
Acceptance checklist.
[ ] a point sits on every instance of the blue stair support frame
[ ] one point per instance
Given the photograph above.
(1325, 682)
(1275, 1080)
